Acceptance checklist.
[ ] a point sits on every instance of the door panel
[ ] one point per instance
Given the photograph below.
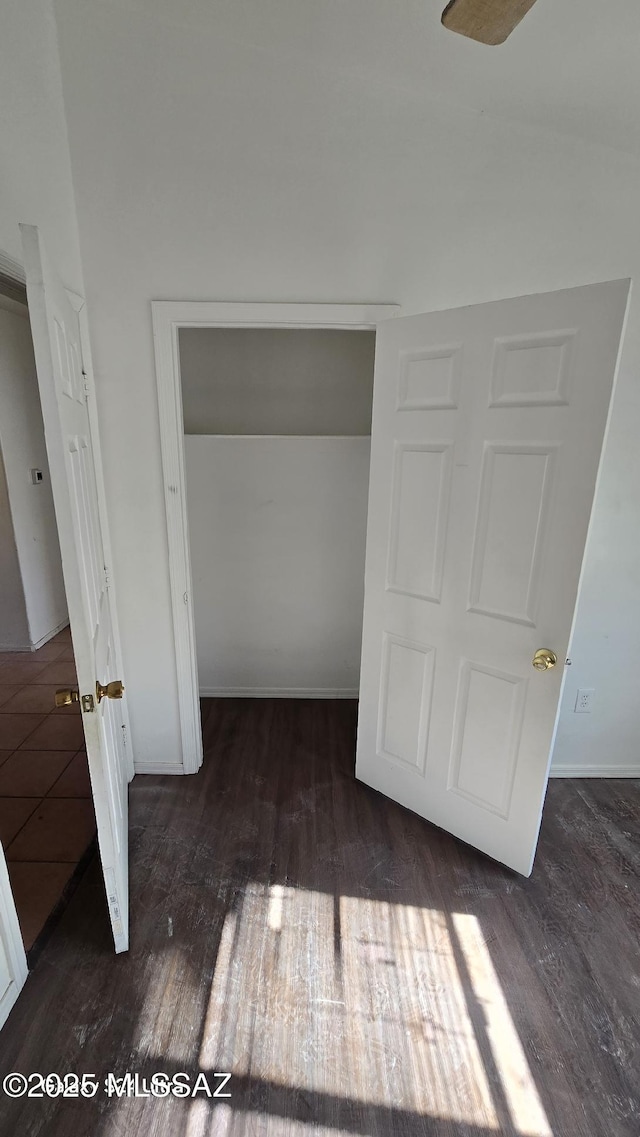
(487, 430)
(488, 719)
(513, 516)
(405, 703)
(421, 484)
(72, 462)
(13, 961)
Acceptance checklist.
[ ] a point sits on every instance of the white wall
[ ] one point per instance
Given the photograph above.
(216, 157)
(23, 449)
(276, 381)
(278, 531)
(35, 188)
(14, 631)
(36, 185)
(277, 517)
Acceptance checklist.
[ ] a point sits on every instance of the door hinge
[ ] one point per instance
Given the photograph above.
(107, 578)
(85, 382)
(88, 703)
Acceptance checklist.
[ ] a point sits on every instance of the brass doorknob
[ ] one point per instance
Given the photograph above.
(112, 690)
(66, 696)
(544, 659)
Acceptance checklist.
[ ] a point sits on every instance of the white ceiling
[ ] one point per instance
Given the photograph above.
(571, 66)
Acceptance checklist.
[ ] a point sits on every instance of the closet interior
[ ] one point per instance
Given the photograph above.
(277, 429)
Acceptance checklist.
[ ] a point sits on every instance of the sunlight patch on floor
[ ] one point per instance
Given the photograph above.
(160, 1033)
(388, 1006)
(249, 1123)
(406, 1007)
(523, 1101)
(201, 1123)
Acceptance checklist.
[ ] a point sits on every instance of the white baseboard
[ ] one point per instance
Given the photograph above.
(40, 643)
(49, 636)
(322, 693)
(279, 692)
(158, 768)
(594, 772)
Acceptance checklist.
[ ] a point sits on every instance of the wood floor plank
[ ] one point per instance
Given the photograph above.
(356, 970)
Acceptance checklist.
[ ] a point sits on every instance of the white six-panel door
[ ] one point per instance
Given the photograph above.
(488, 424)
(13, 961)
(58, 354)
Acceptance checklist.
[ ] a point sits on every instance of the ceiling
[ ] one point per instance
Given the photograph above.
(571, 66)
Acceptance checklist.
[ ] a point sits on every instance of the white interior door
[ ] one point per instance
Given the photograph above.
(488, 424)
(64, 397)
(13, 961)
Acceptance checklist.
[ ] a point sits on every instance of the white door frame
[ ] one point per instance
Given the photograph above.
(168, 317)
(13, 270)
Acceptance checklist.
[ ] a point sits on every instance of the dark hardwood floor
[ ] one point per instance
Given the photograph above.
(356, 970)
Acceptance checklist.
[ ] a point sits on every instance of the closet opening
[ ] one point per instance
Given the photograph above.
(267, 407)
(277, 425)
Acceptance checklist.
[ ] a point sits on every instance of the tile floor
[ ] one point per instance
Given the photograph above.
(46, 812)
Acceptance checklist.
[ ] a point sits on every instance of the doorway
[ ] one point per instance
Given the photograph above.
(487, 430)
(47, 822)
(170, 319)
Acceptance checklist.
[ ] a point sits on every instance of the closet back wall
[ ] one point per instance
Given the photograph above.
(277, 427)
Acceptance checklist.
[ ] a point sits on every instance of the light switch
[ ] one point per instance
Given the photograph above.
(36, 476)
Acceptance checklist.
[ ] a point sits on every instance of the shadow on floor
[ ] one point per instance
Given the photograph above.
(355, 969)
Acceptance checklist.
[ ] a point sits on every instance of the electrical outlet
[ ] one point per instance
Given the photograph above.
(584, 699)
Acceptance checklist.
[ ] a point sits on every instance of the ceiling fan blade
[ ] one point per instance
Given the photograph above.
(487, 21)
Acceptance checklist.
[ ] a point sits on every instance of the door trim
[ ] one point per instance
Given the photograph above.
(168, 317)
(78, 303)
(12, 939)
